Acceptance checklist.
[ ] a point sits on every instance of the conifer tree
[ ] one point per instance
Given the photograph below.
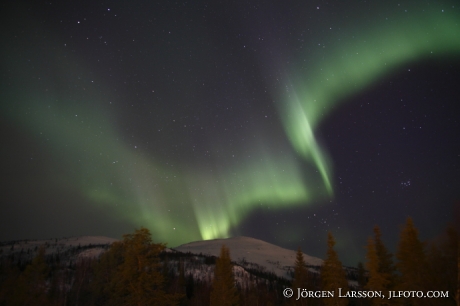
(333, 275)
(377, 280)
(442, 264)
(223, 291)
(105, 271)
(386, 266)
(380, 267)
(31, 288)
(300, 276)
(137, 279)
(411, 260)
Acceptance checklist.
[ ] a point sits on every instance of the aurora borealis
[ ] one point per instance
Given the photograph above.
(200, 120)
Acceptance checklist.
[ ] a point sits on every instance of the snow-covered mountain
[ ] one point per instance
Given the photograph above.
(249, 252)
(61, 243)
(68, 248)
(251, 256)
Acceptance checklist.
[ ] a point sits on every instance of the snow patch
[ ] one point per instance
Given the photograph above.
(244, 250)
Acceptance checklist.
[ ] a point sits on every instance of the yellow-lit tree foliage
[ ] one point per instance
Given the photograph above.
(300, 276)
(223, 291)
(137, 279)
(333, 276)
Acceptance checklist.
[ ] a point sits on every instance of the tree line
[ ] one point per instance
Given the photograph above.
(137, 271)
(416, 266)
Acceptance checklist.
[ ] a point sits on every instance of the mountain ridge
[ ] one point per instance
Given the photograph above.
(244, 251)
(273, 258)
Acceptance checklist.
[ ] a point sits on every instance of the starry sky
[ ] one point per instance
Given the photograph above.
(279, 120)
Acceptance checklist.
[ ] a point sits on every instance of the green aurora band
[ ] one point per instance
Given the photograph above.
(181, 203)
(343, 69)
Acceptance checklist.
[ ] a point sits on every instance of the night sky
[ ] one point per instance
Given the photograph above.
(279, 120)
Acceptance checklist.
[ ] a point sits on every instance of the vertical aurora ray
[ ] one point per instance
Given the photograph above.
(222, 201)
(345, 68)
(301, 135)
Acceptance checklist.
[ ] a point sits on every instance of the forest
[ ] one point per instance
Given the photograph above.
(138, 271)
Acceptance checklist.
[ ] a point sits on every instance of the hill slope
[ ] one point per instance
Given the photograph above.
(244, 250)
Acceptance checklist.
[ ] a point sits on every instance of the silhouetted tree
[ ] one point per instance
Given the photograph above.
(136, 278)
(442, 265)
(223, 291)
(31, 287)
(411, 261)
(300, 277)
(386, 266)
(377, 280)
(333, 275)
(105, 271)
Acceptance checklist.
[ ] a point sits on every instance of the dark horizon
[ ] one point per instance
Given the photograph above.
(201, 120)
